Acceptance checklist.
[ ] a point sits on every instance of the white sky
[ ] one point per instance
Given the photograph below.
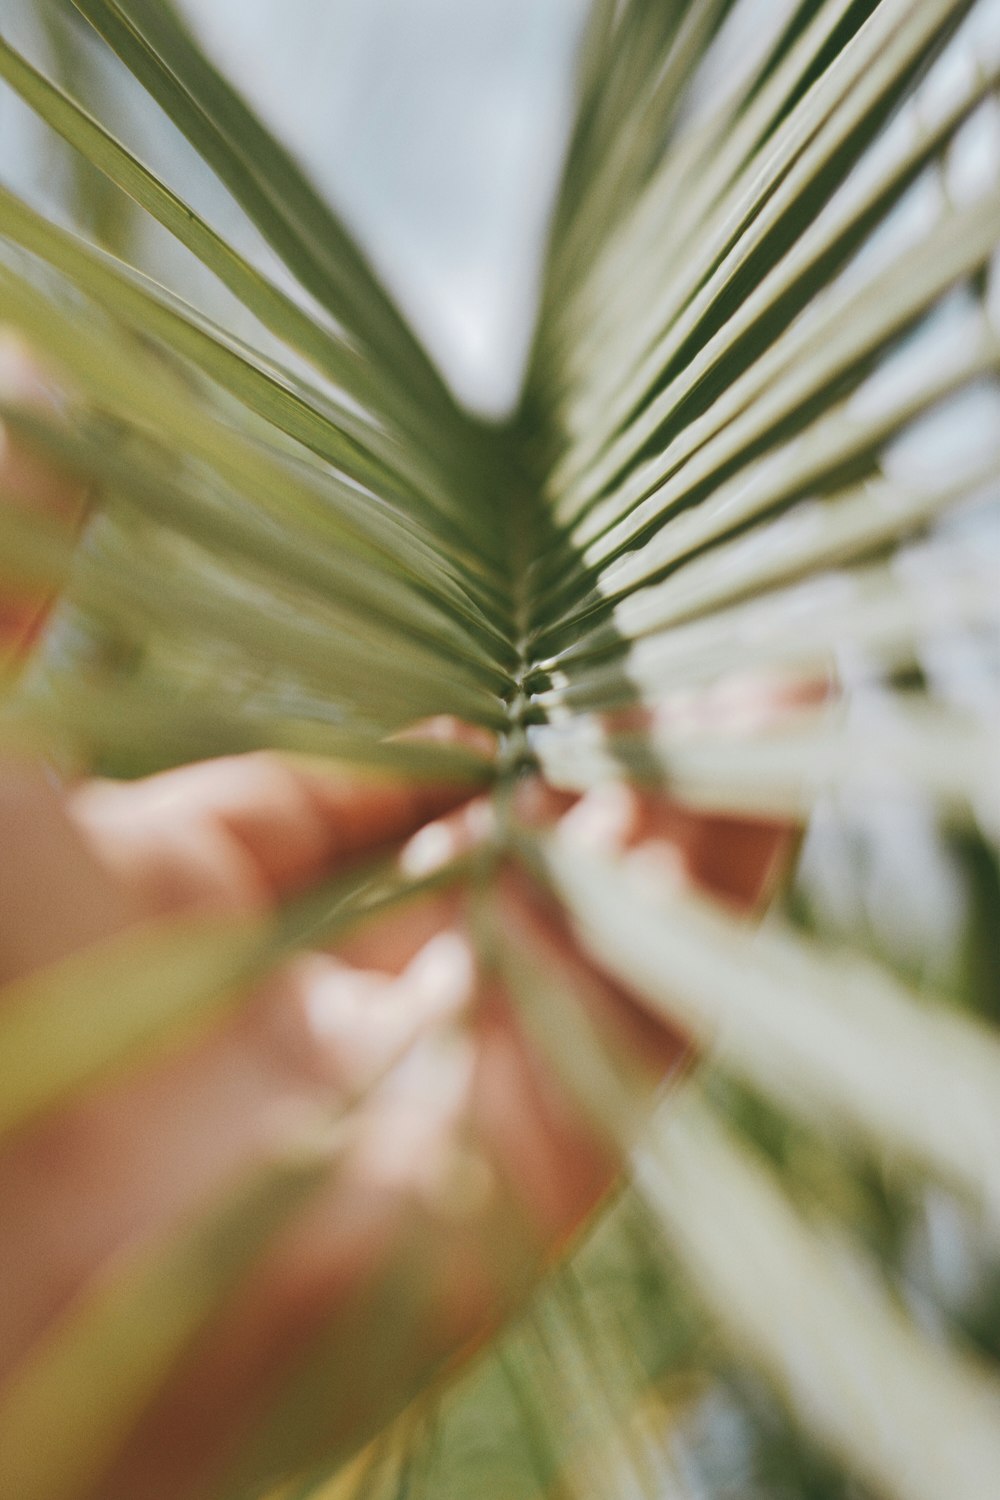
(437, 127)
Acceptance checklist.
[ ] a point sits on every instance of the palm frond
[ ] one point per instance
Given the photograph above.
(766, 282)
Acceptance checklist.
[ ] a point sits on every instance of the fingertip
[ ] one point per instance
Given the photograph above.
(445, 729)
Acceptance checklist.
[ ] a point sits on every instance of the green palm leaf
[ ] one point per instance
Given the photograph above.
(766, 281)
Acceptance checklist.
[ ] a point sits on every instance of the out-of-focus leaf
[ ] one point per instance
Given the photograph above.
(914, 1418)
(68, 1410)
(808, 1027)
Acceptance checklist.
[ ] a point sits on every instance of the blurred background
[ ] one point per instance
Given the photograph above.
(437, 127)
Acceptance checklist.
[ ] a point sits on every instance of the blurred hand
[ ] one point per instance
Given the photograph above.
(459, 1140)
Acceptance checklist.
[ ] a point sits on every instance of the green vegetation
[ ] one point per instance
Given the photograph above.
(303, 541)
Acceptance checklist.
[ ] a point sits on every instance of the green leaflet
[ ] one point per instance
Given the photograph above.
(846, 439)
(63, 1026)
(35, 555)
(668, 1176)
(151, 726)
(348, 437)
(807, 1027)
(663, 45)
(843, 527)
(274, 309)
(145, 990)
(866, 77)
(927, 1425)
(293, 641)
(335, 356)
(182, 329)
(269, 186)
(919, 752)
(572, 1046)
(326, 425)
(239, 534)
(688, 182)
(785, 386)
(361, 1360)
(135, 389)
(886, 614)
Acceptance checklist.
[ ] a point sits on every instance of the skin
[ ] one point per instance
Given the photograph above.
(463, 1166)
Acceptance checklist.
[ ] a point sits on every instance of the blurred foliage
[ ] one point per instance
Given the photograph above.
(772, 267)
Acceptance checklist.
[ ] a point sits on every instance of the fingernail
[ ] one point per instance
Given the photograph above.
(428, 850)
(443, 971)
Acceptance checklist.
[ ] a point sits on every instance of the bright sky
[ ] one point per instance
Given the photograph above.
(437, 126)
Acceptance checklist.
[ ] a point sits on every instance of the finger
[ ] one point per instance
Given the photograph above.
(192, 1124)
(334, 1277)
(536, 921)
(283, 823)
(125, 1165)
(739, 703)
(389, 943)
(445, 729)
(731, 858)
(154, 1149)
(364, 1020)
(335, 1267)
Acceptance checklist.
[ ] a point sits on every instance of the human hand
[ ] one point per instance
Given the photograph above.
(465, 1163)
(462, 1141)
